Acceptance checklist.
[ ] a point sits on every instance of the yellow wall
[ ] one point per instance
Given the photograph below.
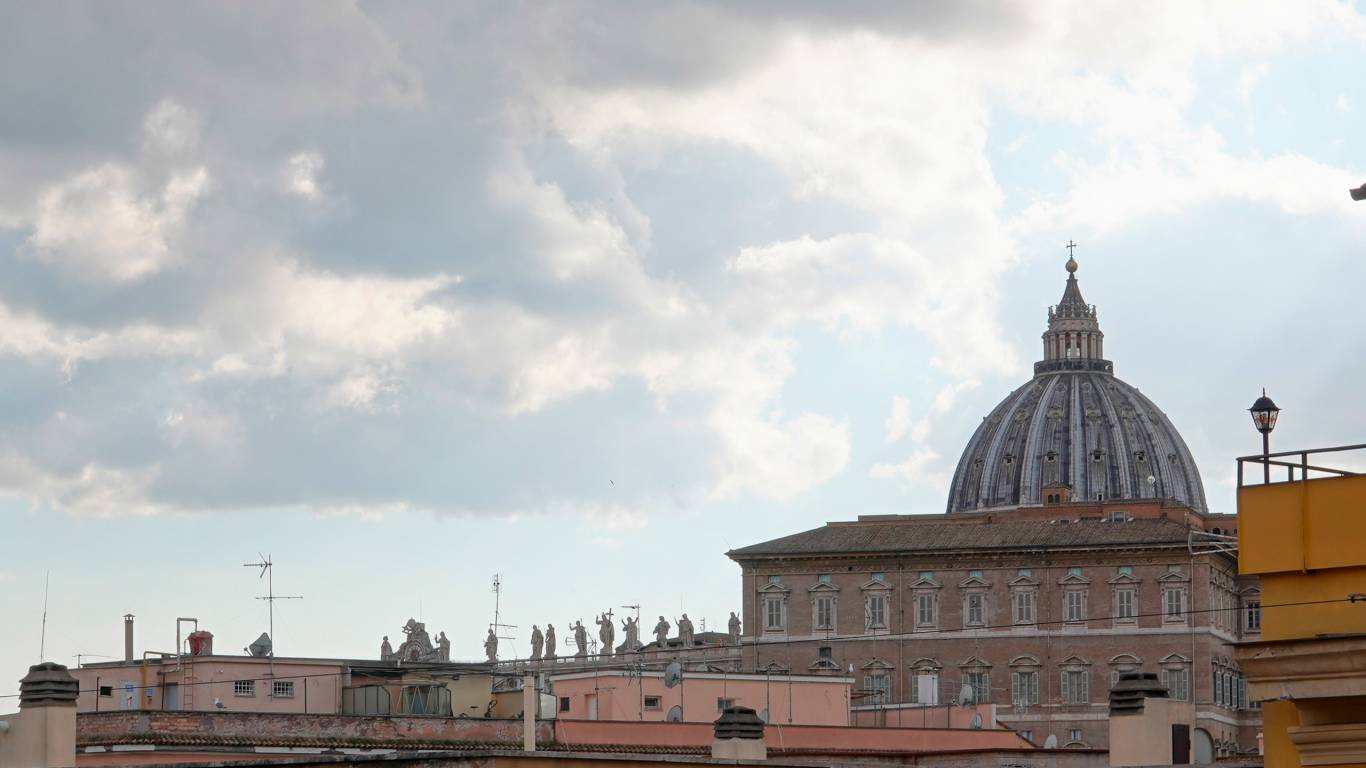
(1302, 526)
(1292, 621)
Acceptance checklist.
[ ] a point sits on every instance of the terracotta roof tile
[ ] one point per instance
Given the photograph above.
(914, 536)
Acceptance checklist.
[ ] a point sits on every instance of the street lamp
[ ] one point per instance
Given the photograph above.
(1264, 413)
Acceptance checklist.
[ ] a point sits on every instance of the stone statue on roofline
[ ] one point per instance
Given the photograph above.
(549, 642)
(443, 647)
(386, 651)
(491, 645)
(537, 641)
(685, 631)
(662, 633)
(606, 634)
(580, 640)
(733, 628)
(631, 628)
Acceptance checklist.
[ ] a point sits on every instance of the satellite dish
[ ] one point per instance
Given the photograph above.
(763, 714)
(675, 714)
(965, 696)
(673, 674)
(1051, 742)
(261, 647)
(976, 721)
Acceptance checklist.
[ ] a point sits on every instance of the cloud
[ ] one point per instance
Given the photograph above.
(529, 249)
(99, 224)
(301, 175)
(922, 466)
(899, 421)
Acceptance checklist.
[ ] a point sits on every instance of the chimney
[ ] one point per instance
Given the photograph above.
(1147, 727)
(128, 637)
(43, 734)
(739, 735)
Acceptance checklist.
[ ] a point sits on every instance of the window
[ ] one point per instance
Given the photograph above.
(244, 688)
(1074, 605)
(879, 576)
(823, 578)
(1119, 516)
(652, 703)
(1026, 572)
(981, 686)
(1027, 735)
(1178, 682)
(775, 579)
(1024, 688)
(975, 573)
(724, 704)
(1074, 570)
(365, 700)
(825, 613)
(773, 613)
(1126, 570)
(1174, 603)
(927, 575)
(877, 686)
(1124, 604)
(925, 686)
(876, 611)
(282, 689)
(1076, 686)
(425, 700)
(564, 703)
(824, 652)
(1074, 735)
(106, 690)
(1252, 616)
(1024, 607)
(925, 613)
(975, 609)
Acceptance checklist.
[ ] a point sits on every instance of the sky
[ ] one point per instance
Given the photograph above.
(586, 293)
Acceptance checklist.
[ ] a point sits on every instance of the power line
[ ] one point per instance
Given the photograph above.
(465, 666)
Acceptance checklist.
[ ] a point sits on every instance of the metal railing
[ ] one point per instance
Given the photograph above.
(1294, 461)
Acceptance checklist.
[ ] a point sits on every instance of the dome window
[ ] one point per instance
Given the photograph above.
(1141, 457)
(1097, 456)
(1009, 459)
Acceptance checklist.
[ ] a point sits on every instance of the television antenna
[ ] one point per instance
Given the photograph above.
(1202, 542)
(80, 656)
(267, 571)
(498, 626)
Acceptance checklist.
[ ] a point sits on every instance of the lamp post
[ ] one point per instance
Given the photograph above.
(1264, 413)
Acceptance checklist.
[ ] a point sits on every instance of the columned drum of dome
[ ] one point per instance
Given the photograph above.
(1074, 424)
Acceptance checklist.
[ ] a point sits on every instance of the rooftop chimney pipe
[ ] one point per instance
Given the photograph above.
(128, 637)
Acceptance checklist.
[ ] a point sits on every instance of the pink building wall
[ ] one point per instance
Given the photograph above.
(316, 690)
(790, 737)
(621, 697)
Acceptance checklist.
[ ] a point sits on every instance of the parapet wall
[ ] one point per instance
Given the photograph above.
(259, 728)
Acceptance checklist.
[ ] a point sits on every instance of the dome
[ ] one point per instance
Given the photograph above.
(1076, 424)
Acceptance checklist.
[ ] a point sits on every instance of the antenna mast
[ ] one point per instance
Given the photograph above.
(498, 626)
(42, 636)
(270, 597)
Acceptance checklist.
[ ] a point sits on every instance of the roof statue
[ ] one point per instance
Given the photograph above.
(537, 642)
(417, 647)
(1074, 424)
(491, 645)
(549, 642)
(606, 634)
(662, 633)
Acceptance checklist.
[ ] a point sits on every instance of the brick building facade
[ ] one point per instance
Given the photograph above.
(1064, 559)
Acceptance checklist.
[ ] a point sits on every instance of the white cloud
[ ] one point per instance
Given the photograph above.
(170, 128)
(301, 175)
(899, 421)
(922, 466)
(100, 224)
(1342, 103)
